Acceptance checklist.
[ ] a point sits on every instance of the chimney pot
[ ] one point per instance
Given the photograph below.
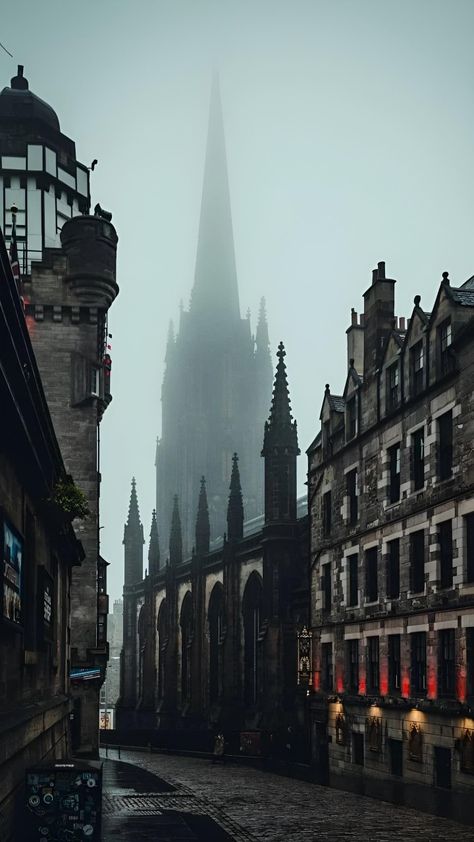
(361, 320)
(402, 322)
(374, 275)
(381, 270)
(353, 316)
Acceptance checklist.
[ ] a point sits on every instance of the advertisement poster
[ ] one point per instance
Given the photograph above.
(12, 570)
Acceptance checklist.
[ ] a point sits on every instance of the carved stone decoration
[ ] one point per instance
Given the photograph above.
(374, 733)
(415, 742)
(467, 751)
(305, 649)
(341, 730)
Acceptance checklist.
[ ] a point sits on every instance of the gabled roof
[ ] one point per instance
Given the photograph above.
(337, 402)
(464, 297)
(352, 377)
(315, 443)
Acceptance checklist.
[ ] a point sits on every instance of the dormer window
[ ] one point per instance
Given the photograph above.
(351, 418)
(444, 346)
(393, 386)
(417, 366)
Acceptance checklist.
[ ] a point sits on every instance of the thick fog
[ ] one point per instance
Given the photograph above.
(350, 135)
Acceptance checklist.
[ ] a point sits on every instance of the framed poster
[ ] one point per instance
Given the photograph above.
(45, 605)
(12, 563)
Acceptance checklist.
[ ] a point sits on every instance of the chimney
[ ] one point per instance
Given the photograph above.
(379, 311)
(355, 343)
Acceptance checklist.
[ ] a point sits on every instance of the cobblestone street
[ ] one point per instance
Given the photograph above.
(243, 803)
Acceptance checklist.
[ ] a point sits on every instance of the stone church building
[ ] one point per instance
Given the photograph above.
(217, 383)
(210, 638)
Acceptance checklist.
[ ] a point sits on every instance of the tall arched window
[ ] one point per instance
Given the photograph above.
(186, 623)
(252, 617)
(162, 643)
(141, 650)
(216, 640)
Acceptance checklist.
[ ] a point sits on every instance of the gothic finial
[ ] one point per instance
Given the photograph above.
(416, 300)
(176, 539)
(133, 510)
(281, 429)
(203, 529)
(446, 278)
(154, 546)
(235, 507)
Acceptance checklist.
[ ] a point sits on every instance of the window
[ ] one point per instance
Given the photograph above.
(446, 662)
(445, 439)
(371, 584)
(469, 535)
(394, 681)
(353, 568)
(417, 561)
(418, 662)
(416, 368)
(372, 665)
(444, 347)
(394, 473)
(94, 381)
(392, 387)
(418, 456)
(352, 665)
(327, 514)
(445, 537)
(393, 569)
(326, 667)
(326, 586)
(351, 487)
(351, 418)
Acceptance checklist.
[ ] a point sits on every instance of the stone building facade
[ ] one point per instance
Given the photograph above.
(39, 550)
(218, 377)
(67, 259)
(391, 502)
(210, 639)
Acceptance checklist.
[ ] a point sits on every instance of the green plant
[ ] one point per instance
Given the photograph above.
(70, 499)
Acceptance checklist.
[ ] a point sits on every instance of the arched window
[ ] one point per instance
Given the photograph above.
(186, 623)
(216, 639)
(252, 617)
(162, 643)
(141, 650)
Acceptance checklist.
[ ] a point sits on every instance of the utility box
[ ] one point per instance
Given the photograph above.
(63, 801)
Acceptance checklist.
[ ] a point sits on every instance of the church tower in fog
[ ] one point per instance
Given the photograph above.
(218, 378)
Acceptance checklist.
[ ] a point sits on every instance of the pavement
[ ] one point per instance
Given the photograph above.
(163, 797)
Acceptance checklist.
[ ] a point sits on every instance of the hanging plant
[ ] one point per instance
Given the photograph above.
(69, 500)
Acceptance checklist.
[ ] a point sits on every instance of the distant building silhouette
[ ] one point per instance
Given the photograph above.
(218, 377)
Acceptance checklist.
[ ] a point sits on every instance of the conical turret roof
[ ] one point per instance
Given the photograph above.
(280, 429)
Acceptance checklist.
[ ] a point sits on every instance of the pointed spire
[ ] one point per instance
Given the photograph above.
(280, 429)
(154, 547)
(235, 508)
(215, 291)
(133, 511)
(203, 529)
(176, 540)
(261, 337)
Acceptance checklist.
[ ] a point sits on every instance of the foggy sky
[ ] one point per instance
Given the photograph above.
(349, 128)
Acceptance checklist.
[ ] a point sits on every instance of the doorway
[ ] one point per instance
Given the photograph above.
(442, 757)
(396, 757)
(357, 748)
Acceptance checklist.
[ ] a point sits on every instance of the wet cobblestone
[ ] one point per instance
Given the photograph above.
(251, 805)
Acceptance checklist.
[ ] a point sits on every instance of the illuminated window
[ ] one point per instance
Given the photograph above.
(446, 662)
(352, 665)
(418, 662)
(394, 671)
(373, 665)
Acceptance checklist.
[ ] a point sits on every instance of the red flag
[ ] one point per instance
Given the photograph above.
(15, 263)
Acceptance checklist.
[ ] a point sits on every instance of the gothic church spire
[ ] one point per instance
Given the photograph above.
(133, 540)
(215, 294)
(235, 508)
(203, 529)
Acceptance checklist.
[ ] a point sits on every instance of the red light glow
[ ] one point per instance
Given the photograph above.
(362, 685)
(431, 688)
(405, 687)
(316, 680)
(461, 685)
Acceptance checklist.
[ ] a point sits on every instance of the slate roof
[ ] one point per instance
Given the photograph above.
(463, 296)
(337, 403)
